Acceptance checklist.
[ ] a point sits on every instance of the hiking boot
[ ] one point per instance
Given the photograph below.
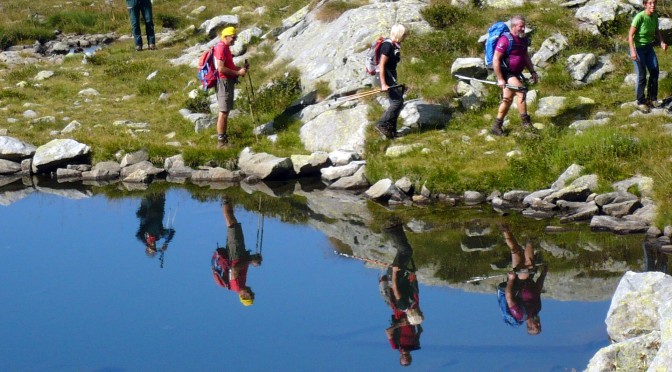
(222, 141)
(138, 48)
(526, 121)
(384, 131)
(643, 108)
(655, 104)
(497, 127)
(152, 47)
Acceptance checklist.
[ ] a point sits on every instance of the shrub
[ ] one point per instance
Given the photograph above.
(200, 103)
(169, 21)
(333, 9)
(274, 98)
(26, 32)
(443, 15)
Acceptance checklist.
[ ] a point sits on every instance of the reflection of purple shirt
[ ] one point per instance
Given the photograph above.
(531, 298)
(517, 57)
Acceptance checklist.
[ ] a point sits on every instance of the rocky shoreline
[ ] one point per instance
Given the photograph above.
(571, 198)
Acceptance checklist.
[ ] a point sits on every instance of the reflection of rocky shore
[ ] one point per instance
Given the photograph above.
(586, 271)
(346, 223)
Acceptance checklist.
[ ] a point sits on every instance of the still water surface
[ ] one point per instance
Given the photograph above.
(80, 293)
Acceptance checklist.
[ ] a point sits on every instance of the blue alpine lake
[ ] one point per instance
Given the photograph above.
(114, 279)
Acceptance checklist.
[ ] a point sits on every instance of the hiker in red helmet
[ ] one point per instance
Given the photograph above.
(231, 262)
(228, 76)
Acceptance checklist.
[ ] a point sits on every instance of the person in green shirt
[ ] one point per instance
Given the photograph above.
(642, 36)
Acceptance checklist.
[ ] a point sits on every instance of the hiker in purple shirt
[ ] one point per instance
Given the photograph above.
(509, 69)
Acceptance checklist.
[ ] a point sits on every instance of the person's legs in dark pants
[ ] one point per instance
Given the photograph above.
(146, 8)
(389, 118)
(134, 13)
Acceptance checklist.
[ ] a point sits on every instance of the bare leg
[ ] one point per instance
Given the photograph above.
(222, 120)
(529, 255)
(230, 219)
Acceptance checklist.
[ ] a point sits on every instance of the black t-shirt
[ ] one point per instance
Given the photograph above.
(392, 51)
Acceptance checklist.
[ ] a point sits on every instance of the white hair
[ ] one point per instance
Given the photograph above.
(397, 32)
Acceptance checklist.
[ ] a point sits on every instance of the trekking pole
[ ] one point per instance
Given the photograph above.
(368, 260)
(249, 99)
(521, 88)
(358, 95)
(260, 230)
(249, 76)
(481, 278)
(363, 94)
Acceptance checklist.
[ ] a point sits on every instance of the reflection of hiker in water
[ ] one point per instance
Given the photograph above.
(230, 263)
(655, 257)
(152, 230)
(400, 290)
(520, 296)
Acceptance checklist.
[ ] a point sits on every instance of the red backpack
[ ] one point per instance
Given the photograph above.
(207, 70)
(373, 55)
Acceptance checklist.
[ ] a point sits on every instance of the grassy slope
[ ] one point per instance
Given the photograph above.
(613, 152)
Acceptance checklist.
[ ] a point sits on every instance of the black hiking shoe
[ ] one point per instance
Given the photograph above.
(384, 131)
(497, 127)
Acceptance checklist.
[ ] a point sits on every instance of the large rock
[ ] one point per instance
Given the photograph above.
(617, 225)
(418, 114)
(597, 12)
(134, 158)
(58, 152)
(212, 26)
(334, 173)
(343, 129)
(383, 189)
(614, 197)
(175, 167)
(549, 49)
(105, 170)
(144, 165)
(632, 355)
(603, 66)
(569, 193)
(621, 209)
(354, 182)
(14, 149)
(644, 185)
(578, 65)
(9, 167)
(265, 166)
(335, 51)
(637, 303)
(571, 173)
(469, 67)
(550, 107)
(310, 165)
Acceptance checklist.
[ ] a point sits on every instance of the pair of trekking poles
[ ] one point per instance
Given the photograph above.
(367, 93)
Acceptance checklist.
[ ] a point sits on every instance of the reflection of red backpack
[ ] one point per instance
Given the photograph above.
(220, 267)
(207, 70)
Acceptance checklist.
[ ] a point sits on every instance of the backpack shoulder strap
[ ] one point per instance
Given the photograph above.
(510, 37)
